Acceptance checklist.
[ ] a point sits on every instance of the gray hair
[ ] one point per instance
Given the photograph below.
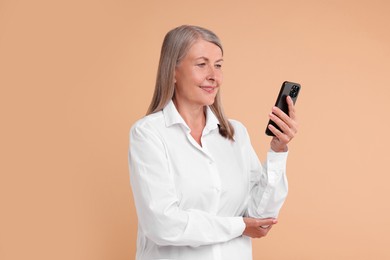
(175, 46)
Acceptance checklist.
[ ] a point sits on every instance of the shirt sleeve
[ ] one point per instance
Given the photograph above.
(268, 184)
(156, 201)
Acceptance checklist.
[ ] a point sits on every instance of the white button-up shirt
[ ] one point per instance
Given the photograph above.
(191, 199)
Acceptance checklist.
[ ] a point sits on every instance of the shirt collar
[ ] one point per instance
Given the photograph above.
(173, 117)
(211, 121)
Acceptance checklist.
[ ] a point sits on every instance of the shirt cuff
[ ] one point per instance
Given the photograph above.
(272, 151)
(238, 226)
(276, 166)
(273, 156)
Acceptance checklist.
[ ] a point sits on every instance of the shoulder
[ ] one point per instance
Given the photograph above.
(149, 123)
(240, 131)
(237, 125)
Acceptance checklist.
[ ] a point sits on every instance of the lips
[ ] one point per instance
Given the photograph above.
(208, 89)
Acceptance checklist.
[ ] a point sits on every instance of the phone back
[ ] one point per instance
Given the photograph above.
(288, 89)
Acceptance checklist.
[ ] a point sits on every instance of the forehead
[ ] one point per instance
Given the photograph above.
(202, 48)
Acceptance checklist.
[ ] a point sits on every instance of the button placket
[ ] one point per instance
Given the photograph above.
(216, 184)
(215, 178)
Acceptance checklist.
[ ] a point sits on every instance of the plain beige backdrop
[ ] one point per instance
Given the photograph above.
(75, 75)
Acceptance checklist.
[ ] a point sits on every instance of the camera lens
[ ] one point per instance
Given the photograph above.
(293, 93)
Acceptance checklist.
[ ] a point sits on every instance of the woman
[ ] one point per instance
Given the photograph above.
(199, 188)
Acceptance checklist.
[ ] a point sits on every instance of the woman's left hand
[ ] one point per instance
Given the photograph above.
(287, 123)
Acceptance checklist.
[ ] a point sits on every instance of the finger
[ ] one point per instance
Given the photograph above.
(291, 108)
(284, 127)
(280, 136)
(283, 116)
(277, 133)
(262, 232)
(266, 221)
(290, 125)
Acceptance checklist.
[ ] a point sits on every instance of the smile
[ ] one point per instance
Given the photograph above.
(208, 89)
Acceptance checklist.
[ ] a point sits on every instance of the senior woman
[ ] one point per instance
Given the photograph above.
(199, 189)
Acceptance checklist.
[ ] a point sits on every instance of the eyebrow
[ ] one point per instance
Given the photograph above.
(204, 58)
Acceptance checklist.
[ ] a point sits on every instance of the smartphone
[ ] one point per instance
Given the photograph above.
(288, 89)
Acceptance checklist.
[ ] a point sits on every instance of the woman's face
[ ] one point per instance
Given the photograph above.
(198, 75)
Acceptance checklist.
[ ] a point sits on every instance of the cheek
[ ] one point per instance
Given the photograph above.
(189, 77)
(219, 77)
(198, 78)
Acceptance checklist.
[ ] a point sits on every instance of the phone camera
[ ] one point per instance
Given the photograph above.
(294, 91)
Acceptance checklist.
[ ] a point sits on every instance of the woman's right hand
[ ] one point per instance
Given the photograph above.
(257, 228)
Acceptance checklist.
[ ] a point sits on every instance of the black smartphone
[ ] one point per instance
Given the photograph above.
(288, 89)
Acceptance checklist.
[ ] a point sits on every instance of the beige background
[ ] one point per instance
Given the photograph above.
(75, 75)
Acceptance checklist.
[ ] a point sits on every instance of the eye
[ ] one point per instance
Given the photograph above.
(218, 66)
(201, 64)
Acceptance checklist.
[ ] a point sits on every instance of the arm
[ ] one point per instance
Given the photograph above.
(159, 214)
(269, 183)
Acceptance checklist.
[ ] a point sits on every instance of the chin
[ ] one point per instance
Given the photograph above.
(210, 102)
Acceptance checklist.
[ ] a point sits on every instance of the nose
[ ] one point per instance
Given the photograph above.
(211, 75)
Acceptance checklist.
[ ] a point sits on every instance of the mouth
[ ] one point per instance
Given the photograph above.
(209, 89)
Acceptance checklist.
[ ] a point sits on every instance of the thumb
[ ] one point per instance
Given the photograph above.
(267, 222)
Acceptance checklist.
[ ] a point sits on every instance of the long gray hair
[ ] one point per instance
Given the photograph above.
(176, 44)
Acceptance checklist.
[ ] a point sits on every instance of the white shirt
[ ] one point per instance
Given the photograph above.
(190, 199)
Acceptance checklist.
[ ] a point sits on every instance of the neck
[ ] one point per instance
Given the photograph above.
(195, 118)
(194, 115)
